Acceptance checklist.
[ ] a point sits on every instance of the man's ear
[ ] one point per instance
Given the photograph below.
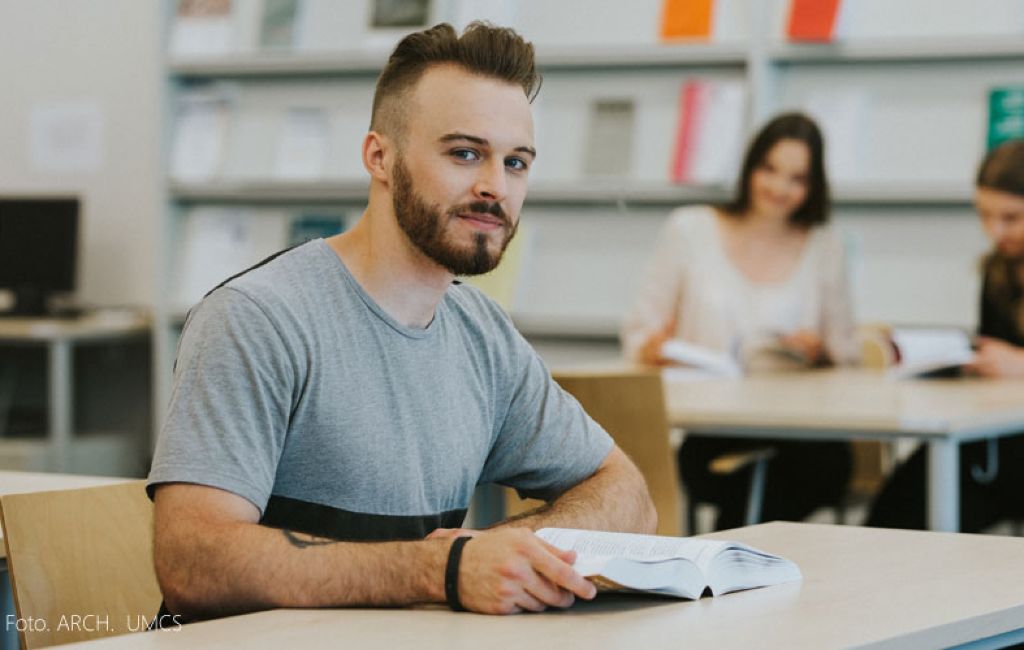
(377, 154)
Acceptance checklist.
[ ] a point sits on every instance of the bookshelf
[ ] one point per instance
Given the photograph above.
(921, 83)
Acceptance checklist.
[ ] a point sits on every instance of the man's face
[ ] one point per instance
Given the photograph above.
(459, 179)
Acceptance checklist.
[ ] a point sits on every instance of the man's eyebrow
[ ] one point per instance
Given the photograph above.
(483, 142)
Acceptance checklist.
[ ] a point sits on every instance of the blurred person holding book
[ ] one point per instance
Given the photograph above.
(763, 273)
(991, 472)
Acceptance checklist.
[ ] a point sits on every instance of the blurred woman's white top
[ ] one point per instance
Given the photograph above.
(716, 306)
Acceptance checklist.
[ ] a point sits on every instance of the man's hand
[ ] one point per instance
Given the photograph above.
(511, 570)
(996, 358)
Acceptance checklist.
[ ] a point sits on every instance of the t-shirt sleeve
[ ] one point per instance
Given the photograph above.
(546, 443)
(230, 404)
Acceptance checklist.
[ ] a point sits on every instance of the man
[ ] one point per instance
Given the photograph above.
(350, 390)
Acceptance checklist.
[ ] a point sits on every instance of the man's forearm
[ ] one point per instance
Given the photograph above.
(615, 498)
(230, 568)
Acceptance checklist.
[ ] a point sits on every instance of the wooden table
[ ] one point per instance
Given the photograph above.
(861, 587)
(846, 404)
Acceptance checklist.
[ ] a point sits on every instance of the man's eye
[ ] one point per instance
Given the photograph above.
(517, 164)
(464, 154)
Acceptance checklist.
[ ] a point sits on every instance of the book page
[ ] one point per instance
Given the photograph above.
(640, 548)
(696, 356)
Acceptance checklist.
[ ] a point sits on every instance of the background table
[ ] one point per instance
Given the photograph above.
(861, 587)
(59, 335)
(846, 404)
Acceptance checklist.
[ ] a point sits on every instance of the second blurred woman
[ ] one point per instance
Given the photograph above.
(763, 271)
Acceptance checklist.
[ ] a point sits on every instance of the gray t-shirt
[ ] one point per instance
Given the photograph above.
(296, 391)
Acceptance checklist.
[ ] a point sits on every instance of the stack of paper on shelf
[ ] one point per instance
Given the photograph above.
(201, 124)
(219, 242)
(303, 146)
(201, 27)
(281, 24)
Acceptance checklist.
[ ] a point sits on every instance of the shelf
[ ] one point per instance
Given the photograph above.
(903, 194)
(904, 50)
(568, 193)
(351, 191)
(370, 62)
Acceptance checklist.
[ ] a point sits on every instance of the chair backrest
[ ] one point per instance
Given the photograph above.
(630, 405)
(81, 560)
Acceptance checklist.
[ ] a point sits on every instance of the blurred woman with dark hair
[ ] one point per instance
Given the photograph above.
(991, 472)
(762, 272)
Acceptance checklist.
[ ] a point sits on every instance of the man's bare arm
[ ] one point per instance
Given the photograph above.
(614, 498)
(213, 559)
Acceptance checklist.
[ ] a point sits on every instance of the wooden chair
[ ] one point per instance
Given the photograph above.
(81, 560)
(630, 405)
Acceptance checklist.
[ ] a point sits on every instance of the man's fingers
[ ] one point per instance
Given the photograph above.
(528, 603)
(548, 593)
(549, 564)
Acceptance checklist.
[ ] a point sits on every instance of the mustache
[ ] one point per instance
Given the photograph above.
(483, 207)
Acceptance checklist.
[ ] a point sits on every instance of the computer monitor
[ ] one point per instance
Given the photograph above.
(38, 250)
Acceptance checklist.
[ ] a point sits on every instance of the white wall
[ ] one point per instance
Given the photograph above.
(104, 54)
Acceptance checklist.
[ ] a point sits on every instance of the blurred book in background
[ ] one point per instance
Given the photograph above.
(813, 20)
(709, 132)
(201, 27)
(315, 225)
(303, 147)
(280, 27)
(1005, 115)
(201, 124)
(219, 242)
(687, 19)
(610, 139)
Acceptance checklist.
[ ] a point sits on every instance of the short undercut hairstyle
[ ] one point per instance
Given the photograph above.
(483, 49)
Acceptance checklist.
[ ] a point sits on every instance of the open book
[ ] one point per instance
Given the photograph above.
(672, 566)
(766, 354)
(919, 352)
(709, 362)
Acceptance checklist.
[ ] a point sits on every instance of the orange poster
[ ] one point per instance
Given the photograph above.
(812, 20)
(686, 19)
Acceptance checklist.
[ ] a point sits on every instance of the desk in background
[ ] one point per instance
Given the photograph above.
(847, 404)
(59, 336)
(861, 587)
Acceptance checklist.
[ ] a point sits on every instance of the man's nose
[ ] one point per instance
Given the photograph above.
(491, 182)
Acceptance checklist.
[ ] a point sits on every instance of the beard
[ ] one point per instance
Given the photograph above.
(426, 226)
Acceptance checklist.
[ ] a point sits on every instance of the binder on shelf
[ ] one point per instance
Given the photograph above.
(687, 19)
(303, 145)
(219, 242)
(281, 24)
(1005, 115)
(812, 21)
(709, 132)
(200, 137)
(201, 27)
(610, 139)
(315, 225)
(399, 14)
